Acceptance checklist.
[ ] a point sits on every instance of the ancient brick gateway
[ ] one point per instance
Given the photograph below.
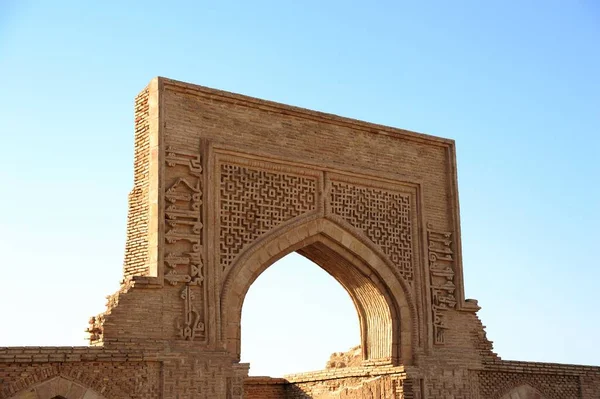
(225, 185)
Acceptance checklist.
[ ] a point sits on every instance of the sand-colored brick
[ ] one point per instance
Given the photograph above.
(225, 185)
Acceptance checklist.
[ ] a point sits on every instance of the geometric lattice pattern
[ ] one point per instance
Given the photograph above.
(383, 216)
(255, 201)
(452, 384)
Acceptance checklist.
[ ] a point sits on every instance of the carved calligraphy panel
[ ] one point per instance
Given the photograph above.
(441, 270)
(184, 259)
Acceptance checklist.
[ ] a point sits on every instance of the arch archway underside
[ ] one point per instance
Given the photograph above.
(384, 303)
(376, 312)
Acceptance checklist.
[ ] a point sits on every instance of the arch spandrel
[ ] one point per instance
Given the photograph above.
(256, 195)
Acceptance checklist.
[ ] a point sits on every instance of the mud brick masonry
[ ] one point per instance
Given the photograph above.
(224, 186)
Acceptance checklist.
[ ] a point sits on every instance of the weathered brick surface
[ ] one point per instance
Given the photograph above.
(348, 383)
(552, 386)
(224, 185)
(346, 388)
(111, 373)
(550, 379)
(265, 388)
(136, 246)
(350, 358)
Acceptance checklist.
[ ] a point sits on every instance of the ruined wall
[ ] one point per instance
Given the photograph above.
(497, 380)
(113, 374)
(552, 380)
(590, 384)
(351, 358)
(131, 316)
(226, 184)
(194, 254)
(136, 245)
(348, 383)
(265, 388)
(119, 373)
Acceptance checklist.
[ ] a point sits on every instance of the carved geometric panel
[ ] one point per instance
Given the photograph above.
(447, 384)
(193, 379)
(254, 201)
(383, 216)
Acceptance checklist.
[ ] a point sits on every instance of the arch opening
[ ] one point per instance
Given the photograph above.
(384, 308)
(295, 315)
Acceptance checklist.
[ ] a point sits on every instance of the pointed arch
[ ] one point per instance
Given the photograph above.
(58, 388)
(383, 301)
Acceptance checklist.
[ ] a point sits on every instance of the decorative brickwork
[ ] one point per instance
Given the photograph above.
(255, 201)
(524, 391)
(192, 379)
(382, 215)
(196, 378)
(442, 279)
(183, 239)
(72, 372)
(224, 185)
(447, 383)
(495, 385)
(373, 388)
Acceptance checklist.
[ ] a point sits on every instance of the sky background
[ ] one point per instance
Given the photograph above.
(515, 83)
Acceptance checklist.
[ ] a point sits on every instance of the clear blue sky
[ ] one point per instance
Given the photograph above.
(515, 83)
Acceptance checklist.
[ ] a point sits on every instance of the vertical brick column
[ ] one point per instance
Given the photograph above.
(136, 247)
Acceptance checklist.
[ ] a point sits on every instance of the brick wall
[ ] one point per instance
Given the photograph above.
(348, 383)
(590, 385)
(114, 374)
(263, 130)
(553, 380)
(136, 247)
(170, 330)
(191, 113)
(265, 388)
(202, 377)
(126, 372)
(132, 315)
